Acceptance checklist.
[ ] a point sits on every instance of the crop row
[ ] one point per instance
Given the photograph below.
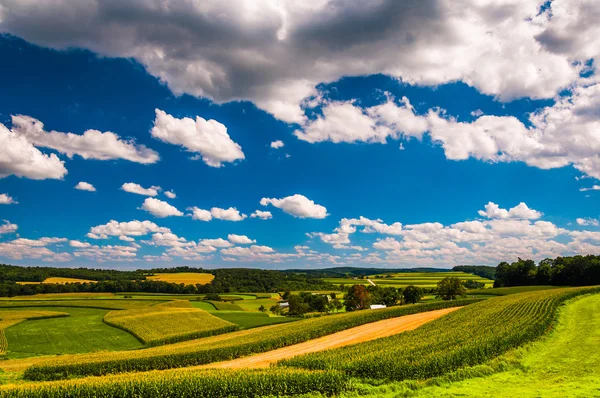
(188, 384)
(168, 323)
(219, 348)
(463, 338)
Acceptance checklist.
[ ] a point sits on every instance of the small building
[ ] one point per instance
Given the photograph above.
(284, 304)
(377, 306)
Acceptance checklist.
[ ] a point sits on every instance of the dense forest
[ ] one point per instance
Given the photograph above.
(39, 274)
(561, 271)
(484, 271)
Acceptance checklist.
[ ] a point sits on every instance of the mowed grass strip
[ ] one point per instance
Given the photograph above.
(187, 278)
(11, 318)
(220, 348)
(168, 323)
(247, 319)
(189, 384)
(466, 337)
(503, 291)
(81, 332)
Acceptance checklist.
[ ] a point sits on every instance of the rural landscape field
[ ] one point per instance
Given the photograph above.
(457, 336)
(309, 199)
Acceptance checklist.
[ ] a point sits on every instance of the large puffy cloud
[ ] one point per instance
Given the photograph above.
(130, 228)
(19, 157)
(209, 138)
(521, 211)
(231, 214)
(93, 144)
(559, 135)
(138, 189)
(298, 206)
(274, 53)
(159, 208)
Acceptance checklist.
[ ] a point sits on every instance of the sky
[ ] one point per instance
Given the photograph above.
(296, 134)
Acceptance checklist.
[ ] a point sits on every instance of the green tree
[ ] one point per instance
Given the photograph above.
(275, 309)
(357, 298)
(262, 308)
(450, 288)
(412, 294)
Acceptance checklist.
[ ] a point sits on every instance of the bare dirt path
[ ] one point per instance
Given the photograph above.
(359, 334)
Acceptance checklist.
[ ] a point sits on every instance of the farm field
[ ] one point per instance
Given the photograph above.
(565, 364)
(470, 336)
(58, 280)
(421, 279)
(359, 334)
(219, 348)
(248, 320)
(187, 278)
(82, 331)
(168, 322)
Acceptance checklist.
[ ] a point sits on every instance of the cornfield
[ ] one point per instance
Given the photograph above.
(467, 337)
(219, 348)
(168, 323)
(188, 384)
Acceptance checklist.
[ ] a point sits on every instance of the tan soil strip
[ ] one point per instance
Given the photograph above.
(359, 334)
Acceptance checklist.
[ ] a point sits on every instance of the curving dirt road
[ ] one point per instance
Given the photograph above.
(370, 331)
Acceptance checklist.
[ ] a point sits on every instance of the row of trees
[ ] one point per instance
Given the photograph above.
(39, 274)
(561, 271)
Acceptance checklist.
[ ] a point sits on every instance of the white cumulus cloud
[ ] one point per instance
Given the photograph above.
(521, 211)
(159, 208)
(85, 186)
(93, 144)
(240, 239)
(6, 199)
(263, 215)
(209, 138)
(277, 144)
(19, 157)
(137, 188)
(130, 228)
(298, 206)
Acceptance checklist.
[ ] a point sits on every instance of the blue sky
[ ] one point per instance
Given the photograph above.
(445, 164)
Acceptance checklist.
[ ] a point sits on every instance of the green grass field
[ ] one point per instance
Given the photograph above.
(421, 279)
(83, 331)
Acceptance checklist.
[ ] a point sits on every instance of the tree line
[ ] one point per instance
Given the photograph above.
(39, 274)
(561, 271)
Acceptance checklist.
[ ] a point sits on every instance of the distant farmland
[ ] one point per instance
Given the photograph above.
(421, 279)
(187, 278)
(58, 280)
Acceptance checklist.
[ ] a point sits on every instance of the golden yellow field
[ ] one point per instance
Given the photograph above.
(188, 278)
(58, 280)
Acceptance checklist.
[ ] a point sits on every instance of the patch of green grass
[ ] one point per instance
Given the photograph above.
(248, 319)
(254, 305)
(83, 331)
